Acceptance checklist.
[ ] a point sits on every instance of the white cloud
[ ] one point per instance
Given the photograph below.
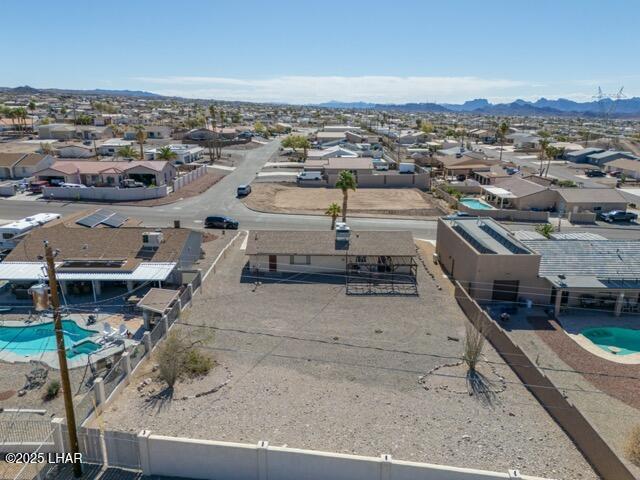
(310, 89)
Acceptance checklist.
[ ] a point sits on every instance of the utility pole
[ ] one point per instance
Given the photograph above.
(62, 359)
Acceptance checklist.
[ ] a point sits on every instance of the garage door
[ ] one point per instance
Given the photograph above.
(505, 290)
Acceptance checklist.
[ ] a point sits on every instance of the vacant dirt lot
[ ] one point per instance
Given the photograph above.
(279, 198)
(303, 364)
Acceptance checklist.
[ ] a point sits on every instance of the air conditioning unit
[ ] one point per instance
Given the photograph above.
(152, 239)
(343, 232)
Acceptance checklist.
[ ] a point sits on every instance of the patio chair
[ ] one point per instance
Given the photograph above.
(122, 330)
(107, 331)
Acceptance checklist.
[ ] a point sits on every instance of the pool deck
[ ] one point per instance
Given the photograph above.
(574, 326)
(118, 345)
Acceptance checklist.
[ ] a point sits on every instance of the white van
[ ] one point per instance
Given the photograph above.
(309, 176)
(12, 233)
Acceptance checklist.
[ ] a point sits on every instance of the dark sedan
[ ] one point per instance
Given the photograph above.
(220, 222)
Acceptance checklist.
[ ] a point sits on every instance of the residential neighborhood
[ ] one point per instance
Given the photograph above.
(250, 246)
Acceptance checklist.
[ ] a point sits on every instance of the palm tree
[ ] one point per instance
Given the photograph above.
(165, 153)
(334, 212)
(502, 133)
(346, 181)
(46, 148)
(127, 152)
(32, 108)
(141, 136)
(544, 145)
(116, 130)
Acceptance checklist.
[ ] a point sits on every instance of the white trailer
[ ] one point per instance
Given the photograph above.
(12, 233)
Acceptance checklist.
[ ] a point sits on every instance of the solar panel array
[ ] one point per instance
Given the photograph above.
(104, 217)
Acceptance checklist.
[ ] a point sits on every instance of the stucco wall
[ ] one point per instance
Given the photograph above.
(200, 459)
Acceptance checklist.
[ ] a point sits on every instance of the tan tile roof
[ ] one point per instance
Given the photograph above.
(98, 243)
(9, 159)
(31, 160)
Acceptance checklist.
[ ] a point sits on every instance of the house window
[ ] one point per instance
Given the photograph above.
(300, 259)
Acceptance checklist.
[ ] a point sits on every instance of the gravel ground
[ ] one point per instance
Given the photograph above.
(282, 198)
(313, 368)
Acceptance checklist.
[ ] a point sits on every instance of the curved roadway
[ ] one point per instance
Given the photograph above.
(221, 199)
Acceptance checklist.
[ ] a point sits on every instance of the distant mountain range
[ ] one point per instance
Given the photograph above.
(628, 107)
(623, 108)
(27, 90)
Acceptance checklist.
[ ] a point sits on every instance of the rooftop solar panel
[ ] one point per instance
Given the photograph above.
(102, 216)
(94, 219)
(115, 220)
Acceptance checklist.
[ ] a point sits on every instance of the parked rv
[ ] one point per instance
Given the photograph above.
(11, 233)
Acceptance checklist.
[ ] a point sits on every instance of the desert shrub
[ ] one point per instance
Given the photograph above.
(197, 363)
(52, 390)
(178, 356)
(632, 447)
(472, 347)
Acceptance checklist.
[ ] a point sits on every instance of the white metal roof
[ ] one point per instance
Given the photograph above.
(27, 271)
(499, 192)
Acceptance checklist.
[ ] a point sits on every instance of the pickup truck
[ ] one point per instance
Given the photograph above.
(618, 216)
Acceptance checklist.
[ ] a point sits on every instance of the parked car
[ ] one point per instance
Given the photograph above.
(595, 173)
(381, 167)
(130, 183)
(36, 187)
(72, 185)
(309, 176)
(243, 190)
(220, 222)
(618, 216)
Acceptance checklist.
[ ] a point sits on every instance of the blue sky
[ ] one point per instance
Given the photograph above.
(303, 51)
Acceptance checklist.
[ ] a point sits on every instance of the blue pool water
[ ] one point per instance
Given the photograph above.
(621, 341)
(35, 339)
(476, 204)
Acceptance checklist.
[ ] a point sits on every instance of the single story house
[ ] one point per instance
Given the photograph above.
(335, 151)
(629, 168)
(495, 266)
(524, 141)
(330, 137)
(74, 150)
(600, 159)
(22, 165)
(92, 263)
(370, 256)
(581, 156)
(519, 193)
(589, 199)
(463, 164)
(183, 153)
(57, 131)
(106, 173)
(152, 132)
(110, 147)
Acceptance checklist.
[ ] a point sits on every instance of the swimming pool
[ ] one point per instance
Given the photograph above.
(476, 204)
(621, 341)
(32, 340)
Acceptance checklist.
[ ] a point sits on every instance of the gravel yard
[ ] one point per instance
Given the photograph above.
(310, 367)
(280, 198)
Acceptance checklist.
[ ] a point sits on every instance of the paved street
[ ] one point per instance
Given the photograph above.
(221, 199)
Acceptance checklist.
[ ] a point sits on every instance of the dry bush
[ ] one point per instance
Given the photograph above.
(472, 347)
(178, 356)
(632, 447)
